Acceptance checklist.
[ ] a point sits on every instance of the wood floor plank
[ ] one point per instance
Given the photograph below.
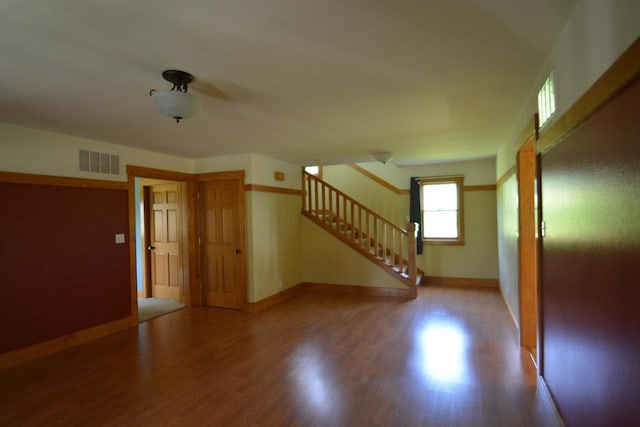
(448, 358)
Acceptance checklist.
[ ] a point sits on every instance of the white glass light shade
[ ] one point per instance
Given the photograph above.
(383, 157)
(179, 105)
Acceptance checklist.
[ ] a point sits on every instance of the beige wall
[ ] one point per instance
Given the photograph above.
(34, 151)
(274, 243)
(478, 258)
(507, 202)
(258, 169)
(387, 204)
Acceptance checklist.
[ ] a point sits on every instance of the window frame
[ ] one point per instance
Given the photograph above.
(459, 181)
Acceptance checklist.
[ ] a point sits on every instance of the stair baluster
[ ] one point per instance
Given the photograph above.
(358, 226)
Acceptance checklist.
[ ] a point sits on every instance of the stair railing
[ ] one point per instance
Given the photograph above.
(360, 227)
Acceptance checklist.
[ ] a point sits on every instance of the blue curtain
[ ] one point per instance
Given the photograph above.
(414, 210)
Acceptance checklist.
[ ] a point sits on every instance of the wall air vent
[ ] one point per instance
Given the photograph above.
(102, 163)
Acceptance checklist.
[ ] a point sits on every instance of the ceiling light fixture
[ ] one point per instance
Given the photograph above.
(383, 157)
(176, 103)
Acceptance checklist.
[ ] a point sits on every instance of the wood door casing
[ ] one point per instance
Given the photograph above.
(165, 232)
(527, 247)
(222, 243)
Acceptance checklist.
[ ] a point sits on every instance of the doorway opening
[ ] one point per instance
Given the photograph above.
(162, 260)
(223, 262)
(161, 285)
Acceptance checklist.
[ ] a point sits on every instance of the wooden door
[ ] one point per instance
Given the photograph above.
(222, 243)
(165, 232)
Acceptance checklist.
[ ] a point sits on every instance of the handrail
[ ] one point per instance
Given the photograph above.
(357, 225)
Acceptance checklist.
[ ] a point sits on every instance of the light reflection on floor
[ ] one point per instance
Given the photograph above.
(441, 351)
(311, 378)
(439, 354)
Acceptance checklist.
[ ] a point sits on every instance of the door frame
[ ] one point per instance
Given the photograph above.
(189, 238)
(527, 247)
(238, 175)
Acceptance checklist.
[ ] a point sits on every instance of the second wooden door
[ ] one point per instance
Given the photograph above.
(222, 243)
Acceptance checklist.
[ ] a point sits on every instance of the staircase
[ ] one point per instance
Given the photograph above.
(390, 247)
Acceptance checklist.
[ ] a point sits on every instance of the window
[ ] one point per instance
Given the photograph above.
(441, 201)
(314, 170)
(546, 101)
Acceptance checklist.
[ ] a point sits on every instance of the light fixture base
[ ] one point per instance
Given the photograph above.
(179, 78)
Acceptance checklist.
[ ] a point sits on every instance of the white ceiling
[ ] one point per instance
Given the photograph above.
(335, 80)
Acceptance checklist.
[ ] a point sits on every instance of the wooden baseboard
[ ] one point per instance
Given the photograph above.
(358, 290)
(263, 304)
(460, 282)
(37, 351)
(513, 317)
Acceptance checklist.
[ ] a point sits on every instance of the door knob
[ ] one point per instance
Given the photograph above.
(236, 251)
(150, 248)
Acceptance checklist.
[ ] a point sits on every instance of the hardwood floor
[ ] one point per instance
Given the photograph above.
(448, 358)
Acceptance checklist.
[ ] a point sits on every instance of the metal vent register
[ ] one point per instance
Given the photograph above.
(103, 163)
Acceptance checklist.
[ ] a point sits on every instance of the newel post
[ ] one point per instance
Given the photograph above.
(412, 270)
(304, 191)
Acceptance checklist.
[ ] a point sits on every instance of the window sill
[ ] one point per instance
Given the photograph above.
(443, 242)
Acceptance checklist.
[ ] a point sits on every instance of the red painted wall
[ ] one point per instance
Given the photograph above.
(60, 269)
(591, 267)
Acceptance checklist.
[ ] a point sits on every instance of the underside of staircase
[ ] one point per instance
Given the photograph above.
(390, 247)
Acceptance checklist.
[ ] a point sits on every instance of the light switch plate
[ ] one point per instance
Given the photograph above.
(120, 238)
